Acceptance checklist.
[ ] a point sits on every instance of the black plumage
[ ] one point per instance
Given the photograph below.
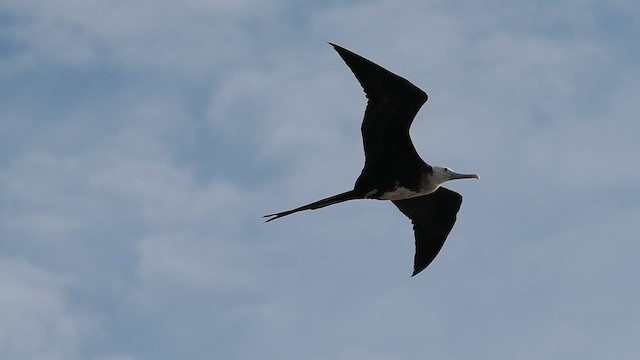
(393, 170)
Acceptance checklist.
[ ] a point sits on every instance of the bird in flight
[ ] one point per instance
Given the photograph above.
(393, 170)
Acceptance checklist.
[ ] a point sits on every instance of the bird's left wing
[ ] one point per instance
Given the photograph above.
(393, 104)
(433, 216)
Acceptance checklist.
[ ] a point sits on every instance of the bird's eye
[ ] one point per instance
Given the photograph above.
(447, 169)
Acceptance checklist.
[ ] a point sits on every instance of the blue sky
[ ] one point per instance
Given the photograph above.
(141, 141)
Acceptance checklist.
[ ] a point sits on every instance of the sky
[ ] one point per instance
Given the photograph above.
(141, 142)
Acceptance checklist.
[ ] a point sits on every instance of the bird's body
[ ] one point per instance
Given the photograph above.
(393, 170)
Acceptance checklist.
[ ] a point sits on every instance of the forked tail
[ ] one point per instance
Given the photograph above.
(345, 196)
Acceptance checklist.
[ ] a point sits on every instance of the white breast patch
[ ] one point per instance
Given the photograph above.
(400, 193)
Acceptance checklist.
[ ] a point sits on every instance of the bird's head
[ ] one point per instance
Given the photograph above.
(442, 174)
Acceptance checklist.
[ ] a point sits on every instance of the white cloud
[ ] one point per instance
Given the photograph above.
(38, 321)
(190, 37)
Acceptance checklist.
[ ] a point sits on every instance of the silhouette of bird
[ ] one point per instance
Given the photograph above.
(393, 170)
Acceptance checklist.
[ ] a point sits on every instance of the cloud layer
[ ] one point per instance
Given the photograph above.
(140, 143)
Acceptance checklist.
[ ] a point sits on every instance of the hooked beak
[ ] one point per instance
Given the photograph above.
(455, 176)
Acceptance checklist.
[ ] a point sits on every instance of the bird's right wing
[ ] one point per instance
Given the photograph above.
(392, 106)
(433, 216)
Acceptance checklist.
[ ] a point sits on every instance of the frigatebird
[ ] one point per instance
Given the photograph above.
(393, 170)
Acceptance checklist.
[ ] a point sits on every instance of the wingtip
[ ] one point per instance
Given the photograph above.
(417, 271)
